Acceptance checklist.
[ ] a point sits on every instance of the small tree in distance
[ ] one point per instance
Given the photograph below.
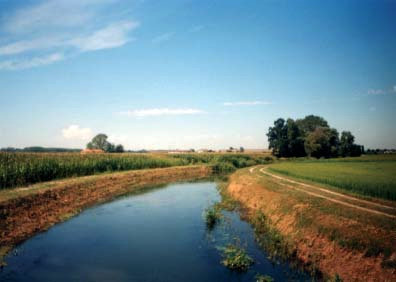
(100, 142)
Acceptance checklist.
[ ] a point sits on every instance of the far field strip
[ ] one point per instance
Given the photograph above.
(327, 191)
(262, 170)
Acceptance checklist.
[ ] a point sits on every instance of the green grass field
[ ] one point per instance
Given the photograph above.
(373, 176)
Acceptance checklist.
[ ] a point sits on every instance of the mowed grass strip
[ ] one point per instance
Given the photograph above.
(374, 177)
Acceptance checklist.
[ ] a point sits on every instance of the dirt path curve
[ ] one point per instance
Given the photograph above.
(332, 193)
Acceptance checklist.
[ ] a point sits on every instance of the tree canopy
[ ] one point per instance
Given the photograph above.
(100, 142)
(311, 136)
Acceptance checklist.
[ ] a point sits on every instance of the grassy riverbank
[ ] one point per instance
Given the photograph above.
(329, 233)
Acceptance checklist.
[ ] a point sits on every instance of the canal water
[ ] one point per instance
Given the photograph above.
(158, 235)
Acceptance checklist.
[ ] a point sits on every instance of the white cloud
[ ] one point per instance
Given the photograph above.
(161, 112)
(28, 45)
(53, 14)
(197, 28)
(76, 132)
(375, 92)
(114, 35)
(66, 27)
(163, 37)
(32, 62)
(247, 103)
(379, 92)
(111, 36)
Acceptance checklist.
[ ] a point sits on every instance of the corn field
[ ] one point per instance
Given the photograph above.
(19, 169)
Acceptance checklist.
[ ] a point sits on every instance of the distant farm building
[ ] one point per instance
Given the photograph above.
(92, 151)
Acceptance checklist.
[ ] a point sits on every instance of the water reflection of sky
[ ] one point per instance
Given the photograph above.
(154, 236)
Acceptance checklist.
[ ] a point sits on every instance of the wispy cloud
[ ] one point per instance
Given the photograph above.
(111, 36)
(114, 35)
(375, 92)
(161, 112)
(197, 28)
(66, 27)
(76, 132)
(163, 37)
(28, 45)
(53, 14)
(379, 91)
(19, 64)
(247, 103)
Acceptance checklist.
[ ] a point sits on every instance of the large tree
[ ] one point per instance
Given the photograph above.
(310, 136)
(310, 123)
(295, 139)
(348, 148)
(334, 143)
(317, 143)
(277, 138)
(99, 142)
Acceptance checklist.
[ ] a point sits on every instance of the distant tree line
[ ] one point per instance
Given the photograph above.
(380, 151)
(100, 142)
(38, 149)
(311, 136)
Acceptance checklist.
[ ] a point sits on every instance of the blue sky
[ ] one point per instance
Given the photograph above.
(193, 74)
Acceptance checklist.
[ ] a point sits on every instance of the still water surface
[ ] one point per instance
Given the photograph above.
(159, 235)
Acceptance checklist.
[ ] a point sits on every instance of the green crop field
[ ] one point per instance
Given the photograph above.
(373, 176)
(19, 169)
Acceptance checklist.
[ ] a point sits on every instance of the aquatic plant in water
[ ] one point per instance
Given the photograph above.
(263, 278)
(212, 216)
(236, 258)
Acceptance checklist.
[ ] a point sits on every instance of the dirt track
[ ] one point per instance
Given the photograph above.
(342, 199)
(317, 231)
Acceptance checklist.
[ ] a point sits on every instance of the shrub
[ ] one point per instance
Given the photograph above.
(223, 168)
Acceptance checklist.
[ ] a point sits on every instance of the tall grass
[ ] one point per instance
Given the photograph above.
(19, 169)
(225, 163)
(375, 177)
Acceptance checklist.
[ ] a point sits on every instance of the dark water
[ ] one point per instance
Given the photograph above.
(156, 236)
